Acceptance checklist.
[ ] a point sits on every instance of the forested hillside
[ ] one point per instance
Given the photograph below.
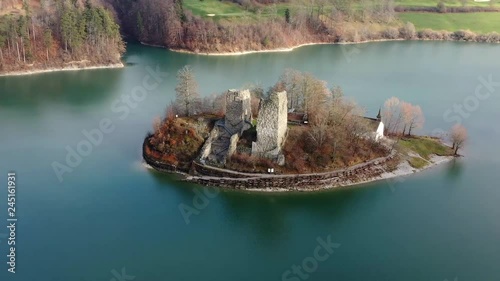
(43, 34)
(177, 24)
(247, 25)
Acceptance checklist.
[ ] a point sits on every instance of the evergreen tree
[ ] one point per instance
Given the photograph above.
(47, 40)
(68, 27)
(2, 45)
(287, 15)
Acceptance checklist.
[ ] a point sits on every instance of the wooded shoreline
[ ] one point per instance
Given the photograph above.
(277, 50)
(289, 49)
(60, 69)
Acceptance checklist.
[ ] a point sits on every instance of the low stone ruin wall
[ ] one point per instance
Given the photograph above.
(201, 170)
(211, 176)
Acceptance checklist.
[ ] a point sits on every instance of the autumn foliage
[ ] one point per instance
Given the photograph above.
(401, 118)
(177, 141)
(44, 34)
(336, 135)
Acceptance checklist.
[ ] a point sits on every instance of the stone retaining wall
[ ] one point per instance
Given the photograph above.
(211, 176)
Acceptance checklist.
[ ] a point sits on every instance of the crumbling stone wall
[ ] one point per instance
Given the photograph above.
(238, 111)
(233, 144)
(271, 127)
(224, 137)
(367, 171)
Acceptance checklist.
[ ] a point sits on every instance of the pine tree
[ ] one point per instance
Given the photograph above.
(47, 40)
(68, 24)
(2, 45)
(287, 15)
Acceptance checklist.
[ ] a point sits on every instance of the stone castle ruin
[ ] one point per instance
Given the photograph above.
(272, 127)
(224, 137)
(238, 111)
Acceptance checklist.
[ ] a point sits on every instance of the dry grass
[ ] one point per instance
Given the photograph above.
(177, 141)
(303, 157)
(417, 162)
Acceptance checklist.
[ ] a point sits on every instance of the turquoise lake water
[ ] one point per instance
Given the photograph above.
(109, 215)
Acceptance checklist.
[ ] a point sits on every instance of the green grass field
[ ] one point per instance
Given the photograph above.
(433, 3)
(425, 146)
(219, 8)
(477, 22)
(231, 11)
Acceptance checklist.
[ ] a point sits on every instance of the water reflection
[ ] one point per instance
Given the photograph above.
(79, 88)
(270, 218)
(455, 169)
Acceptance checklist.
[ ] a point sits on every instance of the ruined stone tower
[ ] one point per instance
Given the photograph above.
(271, 127)
(224, 137)
(238, 111)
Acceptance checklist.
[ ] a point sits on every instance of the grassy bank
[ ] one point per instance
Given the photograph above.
(220, 9)
(419, 150)
(425, 146)
(477, 22)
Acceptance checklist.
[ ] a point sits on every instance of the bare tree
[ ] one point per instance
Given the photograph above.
(319, 130)
(290, 80)
(305, 92)
(413, 117)
(408, 31)
(458, 136)
(316, 95)
(187, 96)
(392, 115)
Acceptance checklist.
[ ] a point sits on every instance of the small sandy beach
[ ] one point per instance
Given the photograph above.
(72, 67)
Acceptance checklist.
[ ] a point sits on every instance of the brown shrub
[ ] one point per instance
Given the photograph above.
(464, 35)
(390, 33)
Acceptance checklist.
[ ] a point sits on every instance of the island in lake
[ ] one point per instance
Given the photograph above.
(298, 136)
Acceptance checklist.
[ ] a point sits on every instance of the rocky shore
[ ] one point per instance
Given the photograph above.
(372, 171)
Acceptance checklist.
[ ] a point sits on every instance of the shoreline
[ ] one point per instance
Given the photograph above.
(289, 49)
(403, 169)
(60, 69)
(276, 50)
